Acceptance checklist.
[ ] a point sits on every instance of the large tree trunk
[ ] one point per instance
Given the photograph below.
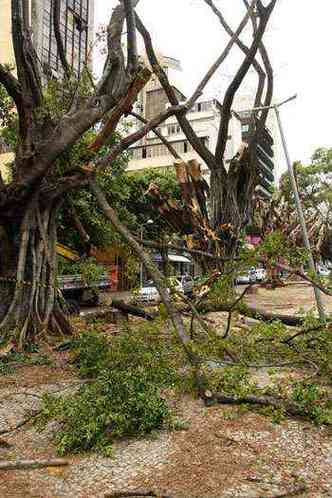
(230, 203)
(29, 305)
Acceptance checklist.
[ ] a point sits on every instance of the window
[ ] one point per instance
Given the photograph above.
(173, 129)
(185, 147)
(144, 153)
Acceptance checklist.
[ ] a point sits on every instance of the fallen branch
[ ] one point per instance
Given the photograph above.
(292, 271)
(251, 312)
(139, 493)
(32, 464)
(20, 424)
(228, 399)
(131, 310)
(307, 331)
(230, 313)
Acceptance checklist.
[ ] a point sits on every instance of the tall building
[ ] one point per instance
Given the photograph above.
(271, 143)
(76, 27)
(204, 118)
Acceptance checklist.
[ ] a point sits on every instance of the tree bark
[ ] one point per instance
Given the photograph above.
(29, 304)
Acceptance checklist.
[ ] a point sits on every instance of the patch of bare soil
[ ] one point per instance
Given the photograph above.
(229, 453)
(224, 452)
(289, 299)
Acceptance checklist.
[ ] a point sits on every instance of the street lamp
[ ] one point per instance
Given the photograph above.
(275, 107)
(149, 222)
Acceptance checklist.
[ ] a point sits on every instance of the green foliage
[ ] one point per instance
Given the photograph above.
(276, 246)
(8, 120)
(313, 402)
(58, 95)
(314, 181)
(6, 368)
(8, 362)
(91, 353)
(235, 380)
(118, 404)
(125, 397)
(223, 290)
(89, 269)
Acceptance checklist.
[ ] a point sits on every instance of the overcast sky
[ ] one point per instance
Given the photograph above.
(299, 41)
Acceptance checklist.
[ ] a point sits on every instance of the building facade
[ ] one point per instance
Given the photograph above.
(204, 118)
(76, 26)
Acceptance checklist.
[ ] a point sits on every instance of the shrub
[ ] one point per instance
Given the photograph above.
(125, 397)
(117, 404)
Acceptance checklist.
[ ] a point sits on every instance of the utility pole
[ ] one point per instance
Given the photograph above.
(318, 294)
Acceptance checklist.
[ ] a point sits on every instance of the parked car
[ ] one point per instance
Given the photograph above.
(260, 274)
(149, 293)
(246, 277)
(323, 271)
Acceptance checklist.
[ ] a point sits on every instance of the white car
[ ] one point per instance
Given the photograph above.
(260, 274)
(246, 277)
(323, 271)
(149, 293)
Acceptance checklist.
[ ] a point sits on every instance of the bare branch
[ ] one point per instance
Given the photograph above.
(131, 36)
(64, 185)
(58, 38)
(231, 309)
(31, 464)
(11, 85)
(234, 38)
(114, 69)
(268, 73)
(123, 107)
(79, 225)
(154, 272)
(258, 68)
(26, 59)
(237, 80)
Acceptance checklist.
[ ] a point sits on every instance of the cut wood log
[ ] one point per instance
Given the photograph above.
(131, 310)
(31, 464)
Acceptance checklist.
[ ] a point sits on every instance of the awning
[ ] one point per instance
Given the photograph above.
(178, 259)
(174, 258)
